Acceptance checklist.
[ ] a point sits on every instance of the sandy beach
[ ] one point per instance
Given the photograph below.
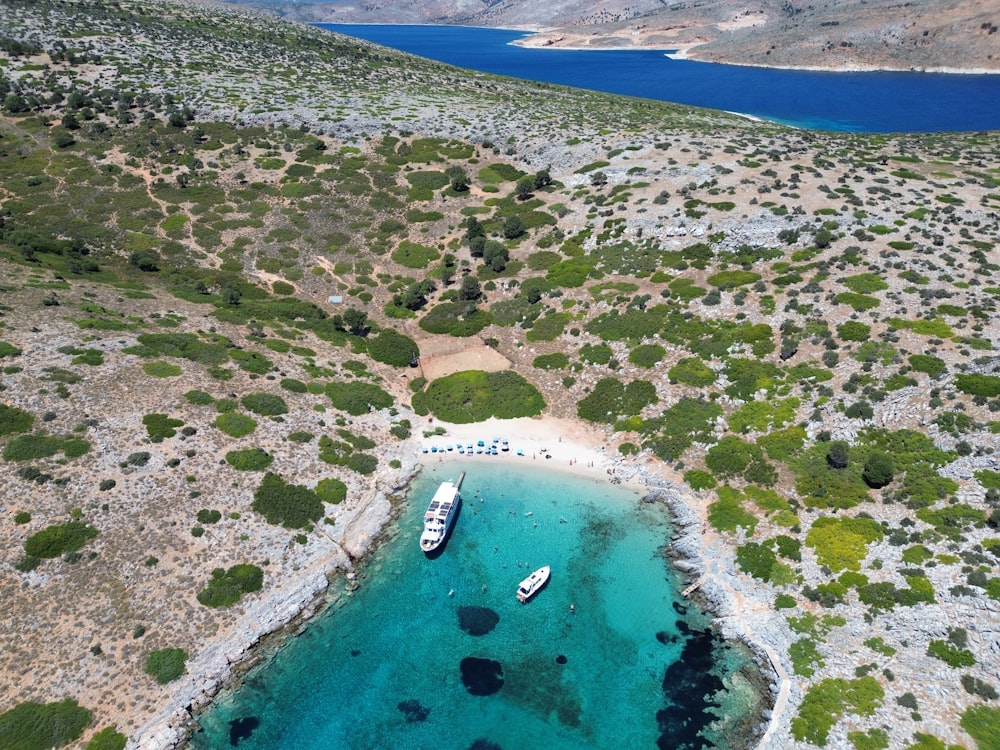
(563, 445)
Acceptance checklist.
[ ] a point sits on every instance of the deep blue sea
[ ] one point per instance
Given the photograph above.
(438, 654)
(879, 102)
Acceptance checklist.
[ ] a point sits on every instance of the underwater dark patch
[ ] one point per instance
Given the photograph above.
(477, 620)
(561, 659)
(664, 637)
(355, 652)
(686, 683)
(241, 729)
(413, 710)
(481, 676)
(680, 608)
(484, 744)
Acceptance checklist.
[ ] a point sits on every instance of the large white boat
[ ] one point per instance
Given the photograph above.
(440, 514)
(532, 584)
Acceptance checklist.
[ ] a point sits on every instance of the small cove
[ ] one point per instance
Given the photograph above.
(437, 652)
(875, 101)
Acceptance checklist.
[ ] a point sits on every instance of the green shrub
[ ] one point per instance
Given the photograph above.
(975, 686)
(859, 302)
(611, 399)
(357, 398)
(160, 426)
(331, 490)
(180, 345)
(41, 726)
(865, 283)
(842, 543)
(393, 348)
(647, 355)
(828, 700)
(414, 255)
(731, 456)
(596, 354)
(265, 404)
(554, 361)
(733, 278)
(290, 505)
(207, 516)
(756, 559)
(784, 601)
(727, 513)
(879, 469)
(32, 447)
(699, 479)
(987, 386)
(458, 319)
(253, 362)
(54, 541)
(235, 425)
(632, 325)
(108, 738)
(8, 350)
(805, 657)
(983, 725)
(199, 398)
(14, 420)
(928, 364)
(687, 421)
(874, 739)
(782, 445)
(160, 369)
(475, 396)
(166, 664)
(548, 327)
(249, 459)
(227, 587)
(293, 385)
(951, 654)
(692, 371)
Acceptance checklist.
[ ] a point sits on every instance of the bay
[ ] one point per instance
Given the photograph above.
(628, 665)
(878, 101)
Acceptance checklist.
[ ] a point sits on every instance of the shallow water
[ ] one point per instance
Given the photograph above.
(438, 653)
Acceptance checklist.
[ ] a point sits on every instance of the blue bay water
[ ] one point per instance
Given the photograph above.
(628, 667)
(879, 102)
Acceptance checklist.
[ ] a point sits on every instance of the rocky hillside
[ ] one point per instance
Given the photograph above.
(835, 34)
(225, 237)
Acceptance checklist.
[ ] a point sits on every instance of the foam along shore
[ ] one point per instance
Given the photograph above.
(706, 559)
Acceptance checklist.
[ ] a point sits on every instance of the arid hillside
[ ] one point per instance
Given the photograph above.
(245, 266)
(833, 34)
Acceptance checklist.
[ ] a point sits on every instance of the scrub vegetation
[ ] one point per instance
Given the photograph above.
(801, 324)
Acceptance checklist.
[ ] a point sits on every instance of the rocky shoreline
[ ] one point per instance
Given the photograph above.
(268, 623)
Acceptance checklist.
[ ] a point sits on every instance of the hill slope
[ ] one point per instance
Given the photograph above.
(801, 325)
(845, 34)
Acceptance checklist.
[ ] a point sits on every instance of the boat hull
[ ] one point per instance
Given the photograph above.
(439, 518)
(533, 584)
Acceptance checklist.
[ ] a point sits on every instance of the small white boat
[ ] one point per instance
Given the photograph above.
(533, 584)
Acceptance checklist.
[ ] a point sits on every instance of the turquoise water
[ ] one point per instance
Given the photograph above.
(626, 667)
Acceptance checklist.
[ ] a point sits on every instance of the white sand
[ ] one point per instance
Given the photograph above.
(559, 444)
